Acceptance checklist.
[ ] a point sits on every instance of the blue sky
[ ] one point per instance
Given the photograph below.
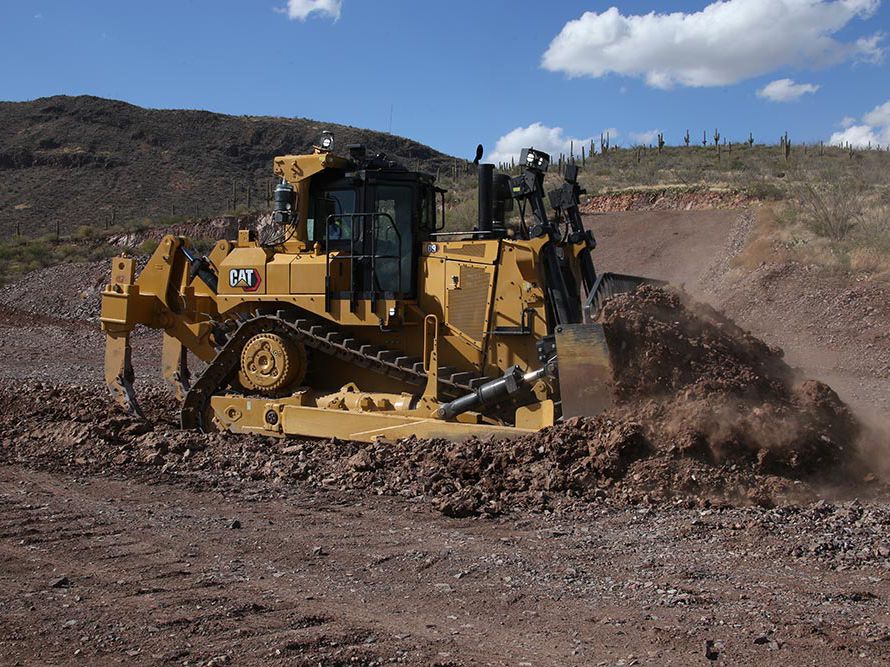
(457, 73)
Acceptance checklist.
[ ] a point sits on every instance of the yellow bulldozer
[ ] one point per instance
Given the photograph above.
(357, 315)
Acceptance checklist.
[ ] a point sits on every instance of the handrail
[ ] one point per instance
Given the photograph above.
(352, 256)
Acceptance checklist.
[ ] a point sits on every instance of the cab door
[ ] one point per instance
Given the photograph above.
(395, 205)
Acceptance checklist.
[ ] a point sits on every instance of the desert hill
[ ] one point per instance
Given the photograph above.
(80, 160)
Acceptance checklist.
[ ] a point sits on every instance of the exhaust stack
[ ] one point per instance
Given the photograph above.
(486, 199)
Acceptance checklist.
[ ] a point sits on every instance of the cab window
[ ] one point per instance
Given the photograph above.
(394, 239)
(336, 203)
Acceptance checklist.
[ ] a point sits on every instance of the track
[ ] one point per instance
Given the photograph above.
(322, 337)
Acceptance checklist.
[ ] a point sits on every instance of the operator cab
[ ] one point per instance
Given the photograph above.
(375, 217)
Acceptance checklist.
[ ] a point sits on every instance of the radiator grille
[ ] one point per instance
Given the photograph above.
(468, 305)
(473, 250)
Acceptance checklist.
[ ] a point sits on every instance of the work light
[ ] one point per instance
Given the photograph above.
(532, 159)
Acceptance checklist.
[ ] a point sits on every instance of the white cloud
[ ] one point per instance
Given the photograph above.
(857, 135)
(537, 135)
(301, 9)
(847, 121)
(879, 115)
(726, 42)
(645, 138)
(873, 130)
(785, 90)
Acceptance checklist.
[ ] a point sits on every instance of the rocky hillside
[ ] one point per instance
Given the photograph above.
(80, 160)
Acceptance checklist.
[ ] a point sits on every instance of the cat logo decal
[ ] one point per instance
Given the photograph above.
(247, 279)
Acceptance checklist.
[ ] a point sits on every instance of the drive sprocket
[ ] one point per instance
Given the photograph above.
(271, 363)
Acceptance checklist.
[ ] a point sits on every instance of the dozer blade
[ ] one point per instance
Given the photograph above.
(585, 366)
(585, 371)
(119, 373)
(608, 285)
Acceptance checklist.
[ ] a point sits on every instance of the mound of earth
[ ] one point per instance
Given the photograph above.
(66, 291)
(719, 392)
(705, 413)
(665, 199)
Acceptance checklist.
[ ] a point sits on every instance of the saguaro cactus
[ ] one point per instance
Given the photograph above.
(686, 138)
(716, 137)
(660, 141)
(750, 139)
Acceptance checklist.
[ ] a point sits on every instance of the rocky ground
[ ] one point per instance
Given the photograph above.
(656, 534)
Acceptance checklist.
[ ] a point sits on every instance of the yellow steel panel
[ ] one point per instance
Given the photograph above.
(278, 274)
(536, 416)
(243, 272)
(307, 272)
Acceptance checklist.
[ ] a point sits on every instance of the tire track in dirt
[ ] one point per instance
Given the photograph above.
(200, 605)
(321, 578)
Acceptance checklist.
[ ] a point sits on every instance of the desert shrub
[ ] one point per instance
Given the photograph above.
(873, 229)
(833, 208)
(461, 212)
(868, 260)
(764, 190)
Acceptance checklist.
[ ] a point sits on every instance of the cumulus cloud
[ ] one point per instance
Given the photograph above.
(726, 42)
(537, 135)
(786, 90)
(300, 10)
(879, 116)
(645, 138)
(873, 129)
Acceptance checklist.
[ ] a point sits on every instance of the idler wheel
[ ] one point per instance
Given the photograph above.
(271, 363)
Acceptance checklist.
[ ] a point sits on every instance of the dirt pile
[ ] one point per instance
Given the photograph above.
(67, 291)
(717, 391)
(666, 199)
(706, 413)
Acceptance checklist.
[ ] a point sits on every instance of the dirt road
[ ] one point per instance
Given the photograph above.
(149, 571)
(137, 565)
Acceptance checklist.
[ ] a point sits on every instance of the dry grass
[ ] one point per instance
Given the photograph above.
(792, 232)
